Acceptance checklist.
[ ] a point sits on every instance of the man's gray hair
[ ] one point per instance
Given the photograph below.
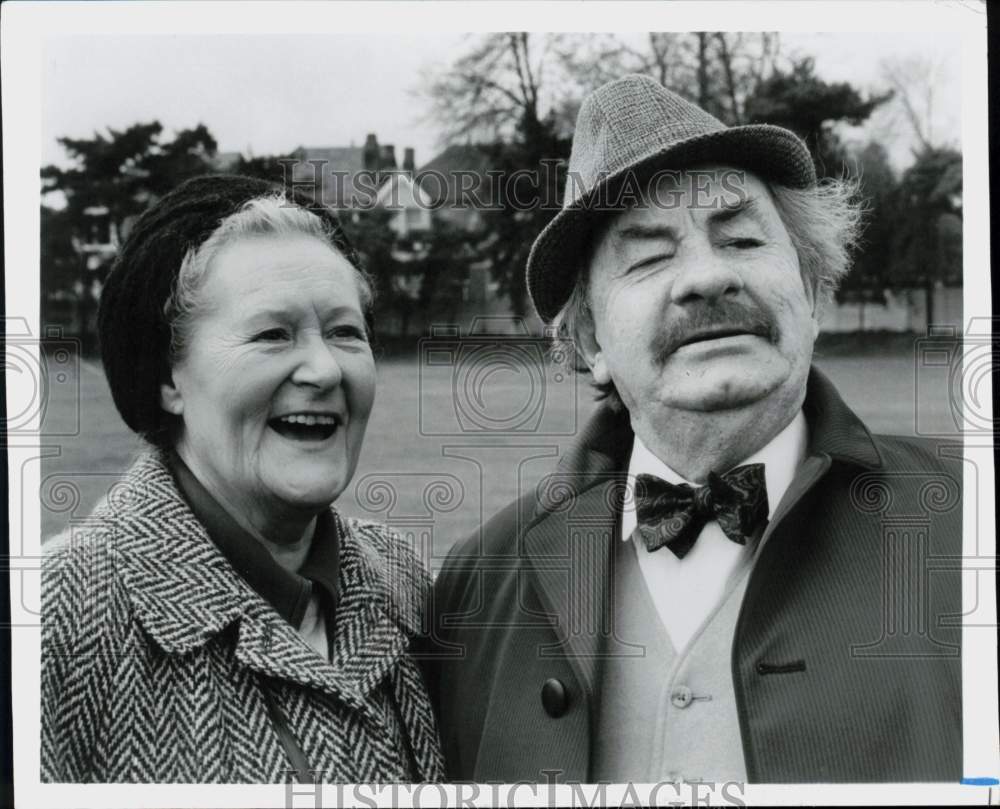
(824, 225)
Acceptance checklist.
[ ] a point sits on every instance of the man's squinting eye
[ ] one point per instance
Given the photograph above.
(650, 261)
(743, 243)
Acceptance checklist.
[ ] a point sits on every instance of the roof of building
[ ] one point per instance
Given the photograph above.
(398, 191)
(337, 167)
(439, 178)
(338, 158)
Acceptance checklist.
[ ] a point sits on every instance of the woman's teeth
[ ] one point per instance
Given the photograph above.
(306, 427)
(309, 420)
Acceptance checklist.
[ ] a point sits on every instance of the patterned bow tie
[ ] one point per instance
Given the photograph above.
(673, 515)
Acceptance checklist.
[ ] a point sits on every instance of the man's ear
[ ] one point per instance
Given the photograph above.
(171, 399)
(588, 348)
(815, 302)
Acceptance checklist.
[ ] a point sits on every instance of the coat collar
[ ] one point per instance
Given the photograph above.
(287, 591)
(835, 429)
(185, 592)
(578, 507)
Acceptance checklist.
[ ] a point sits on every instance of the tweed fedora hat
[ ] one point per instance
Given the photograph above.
(630, 126)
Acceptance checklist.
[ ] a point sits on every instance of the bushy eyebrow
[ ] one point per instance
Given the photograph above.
(728, 212)
(640, 231)
(747, 206)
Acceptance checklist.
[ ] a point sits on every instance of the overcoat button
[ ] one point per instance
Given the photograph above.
(555, 698)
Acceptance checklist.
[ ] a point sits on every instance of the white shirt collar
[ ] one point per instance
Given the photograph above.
(781, 458)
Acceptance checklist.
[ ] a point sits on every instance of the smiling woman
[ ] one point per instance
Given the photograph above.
(219, 621)
(274, 382)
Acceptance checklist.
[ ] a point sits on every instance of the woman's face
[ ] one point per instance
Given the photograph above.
(277, 380)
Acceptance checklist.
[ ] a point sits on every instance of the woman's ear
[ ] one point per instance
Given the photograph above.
(171, 399)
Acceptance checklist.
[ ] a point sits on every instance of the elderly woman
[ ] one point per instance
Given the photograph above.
(216, 620)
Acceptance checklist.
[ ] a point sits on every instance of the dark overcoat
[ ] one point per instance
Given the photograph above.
(846, 657)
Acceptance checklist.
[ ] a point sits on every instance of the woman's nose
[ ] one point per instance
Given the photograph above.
(318, 365)
(705, 275)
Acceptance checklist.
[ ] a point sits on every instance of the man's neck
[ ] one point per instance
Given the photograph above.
(694, 443)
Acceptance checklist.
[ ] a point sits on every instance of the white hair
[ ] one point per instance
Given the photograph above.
(272, 214)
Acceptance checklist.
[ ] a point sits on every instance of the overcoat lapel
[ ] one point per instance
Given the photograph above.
(185, 593)
(568, 545)
(570, 557)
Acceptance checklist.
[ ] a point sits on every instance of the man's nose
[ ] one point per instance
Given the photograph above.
(705, 275)
(317, 365)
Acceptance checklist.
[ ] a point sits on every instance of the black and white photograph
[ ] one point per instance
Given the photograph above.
(499, 404)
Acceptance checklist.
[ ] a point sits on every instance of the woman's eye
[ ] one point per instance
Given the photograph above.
(348, 333)
(744, 244)
(271, 335)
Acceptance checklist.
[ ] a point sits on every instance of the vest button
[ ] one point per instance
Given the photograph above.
(555, 698)
(681, 696)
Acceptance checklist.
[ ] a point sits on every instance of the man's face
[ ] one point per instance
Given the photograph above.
(697, 299)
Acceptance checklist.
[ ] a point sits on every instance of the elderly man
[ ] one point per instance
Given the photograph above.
(710, 586)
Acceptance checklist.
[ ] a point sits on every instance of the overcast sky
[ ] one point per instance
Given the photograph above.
(269, 94)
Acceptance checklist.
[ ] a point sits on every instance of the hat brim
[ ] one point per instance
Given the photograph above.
(771, 152)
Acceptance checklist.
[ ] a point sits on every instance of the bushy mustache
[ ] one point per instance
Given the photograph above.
(702, 316)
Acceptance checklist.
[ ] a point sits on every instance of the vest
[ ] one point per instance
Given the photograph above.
(664, 715)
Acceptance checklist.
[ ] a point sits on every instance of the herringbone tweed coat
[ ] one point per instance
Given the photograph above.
(158, 660)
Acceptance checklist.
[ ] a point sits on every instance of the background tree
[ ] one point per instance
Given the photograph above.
(914, 81)
(927, 244)
(491, 92)
(444, 258)
(877, 183)
(375, 242)
(799, 100)
(505, 94)
(124, 169)
(718, 70)
(62, 269)
(112, 178)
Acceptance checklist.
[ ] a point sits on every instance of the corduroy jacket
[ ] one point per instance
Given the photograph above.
(160, 664)
(846, 656)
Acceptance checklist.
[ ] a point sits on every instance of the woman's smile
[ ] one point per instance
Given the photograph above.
(307, 427)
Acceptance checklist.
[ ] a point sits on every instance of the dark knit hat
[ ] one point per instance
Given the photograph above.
(629, 127)
(133, 331)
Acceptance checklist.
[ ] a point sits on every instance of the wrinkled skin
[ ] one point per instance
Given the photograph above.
(724, 276)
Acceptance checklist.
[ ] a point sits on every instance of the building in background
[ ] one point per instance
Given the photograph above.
(348, 176)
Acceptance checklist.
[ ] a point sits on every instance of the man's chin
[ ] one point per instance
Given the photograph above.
(720, 391)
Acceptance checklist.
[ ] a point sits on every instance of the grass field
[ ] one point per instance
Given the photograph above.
(451, 439)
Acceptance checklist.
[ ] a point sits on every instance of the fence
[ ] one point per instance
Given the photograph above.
(905, 311)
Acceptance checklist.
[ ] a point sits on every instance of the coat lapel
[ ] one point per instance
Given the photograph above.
(185, 593)
(568, 544)
(835, 434)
